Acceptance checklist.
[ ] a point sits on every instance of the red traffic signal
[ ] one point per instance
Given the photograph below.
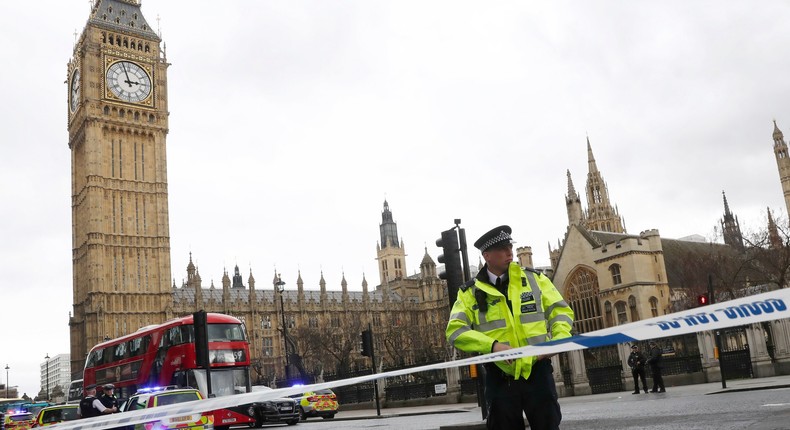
(702, 300)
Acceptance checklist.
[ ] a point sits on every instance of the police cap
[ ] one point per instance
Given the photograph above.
(494, 237)
(108, 386)
(90, 386)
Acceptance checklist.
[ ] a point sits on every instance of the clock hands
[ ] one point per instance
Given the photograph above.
(127, 74)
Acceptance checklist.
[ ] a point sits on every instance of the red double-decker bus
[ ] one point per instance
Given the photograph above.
(164, 354)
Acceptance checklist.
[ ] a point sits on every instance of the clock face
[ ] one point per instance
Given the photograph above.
(128, 81)
(74, 90)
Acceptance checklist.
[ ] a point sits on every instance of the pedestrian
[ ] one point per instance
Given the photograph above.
(507, 307)
(90, 406)
(636, 361)
(655, 368)
(107, 398)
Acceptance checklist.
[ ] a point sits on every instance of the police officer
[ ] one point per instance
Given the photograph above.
(636, 361)
(507, 307)
(108, 398)
(655, 368)
(90, 406)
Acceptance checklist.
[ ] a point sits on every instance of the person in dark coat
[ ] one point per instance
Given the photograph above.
(655, 367)
(90, 406)
(636, 361)
(107, 398)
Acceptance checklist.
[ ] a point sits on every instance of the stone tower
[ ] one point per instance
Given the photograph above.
(783, 163)
(601, 216)
(390, 252)
(117, 125)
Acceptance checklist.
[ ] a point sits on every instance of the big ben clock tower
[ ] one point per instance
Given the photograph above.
(117, 123)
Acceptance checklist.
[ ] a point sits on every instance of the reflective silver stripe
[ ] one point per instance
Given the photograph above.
(506, 343)
(457, 333)
(534, 340)
(481, 317)
(531, 318)
(561, 303)
(461, 316)
(533, 283)
(565, 318)
(492, 325)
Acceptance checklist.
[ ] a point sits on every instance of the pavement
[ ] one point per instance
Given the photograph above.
(711, 388)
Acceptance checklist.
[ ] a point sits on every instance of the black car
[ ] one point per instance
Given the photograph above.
(279, 410)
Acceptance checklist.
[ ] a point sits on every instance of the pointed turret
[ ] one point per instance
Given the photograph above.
(573, 203)
(774, 239)
(783, 163)
(344, 287)
(778, 136)
(391, 253)
(591, 166)
(427, 266)
(237, 282)
(190, 269)
(253, 296)
(365, 296)
(601, 215)
(730, 228)
(322, 285)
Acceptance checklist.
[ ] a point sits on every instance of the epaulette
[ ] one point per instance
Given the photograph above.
(467, 284)
(530, 269)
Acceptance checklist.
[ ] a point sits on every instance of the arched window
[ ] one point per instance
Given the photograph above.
(654, 306)
(106, 110)
(614, 269)
(632, 307)
(582, 296)
(608, 308)
(619, 307)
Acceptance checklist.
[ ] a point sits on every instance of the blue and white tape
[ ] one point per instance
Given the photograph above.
(748, 310)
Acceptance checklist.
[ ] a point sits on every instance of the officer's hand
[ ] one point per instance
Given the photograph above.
(499, 346)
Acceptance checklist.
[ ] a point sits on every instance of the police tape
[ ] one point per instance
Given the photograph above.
(748, 310)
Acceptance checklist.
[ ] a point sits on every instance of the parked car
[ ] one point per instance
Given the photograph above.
(162, 396)
(321, 403)
(19, 420)
(56, 414)
(278, 410)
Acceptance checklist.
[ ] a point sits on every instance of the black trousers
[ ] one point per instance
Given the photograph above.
(639, 373)
(658, 381)
(509, 399)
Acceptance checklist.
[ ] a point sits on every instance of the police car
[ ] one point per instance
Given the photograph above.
(19, 420)
(56, 414)
(162, 396)
(321, 403)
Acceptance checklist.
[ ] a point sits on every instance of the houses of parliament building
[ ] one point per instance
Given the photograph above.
(117, 108)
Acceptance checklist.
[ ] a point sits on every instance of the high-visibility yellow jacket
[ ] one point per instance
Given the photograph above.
(536, 305)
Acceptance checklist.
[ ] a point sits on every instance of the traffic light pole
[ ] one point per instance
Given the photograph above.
(451, 243)
(717, 333)
(375, 381)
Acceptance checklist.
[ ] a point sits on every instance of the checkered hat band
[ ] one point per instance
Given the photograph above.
(501, 237)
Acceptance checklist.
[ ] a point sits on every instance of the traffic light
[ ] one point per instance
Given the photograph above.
(367, 343)
(200, 323)
(452, 263)
(702, 300)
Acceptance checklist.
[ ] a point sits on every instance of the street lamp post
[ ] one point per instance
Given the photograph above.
(280, 288)
(6, 380)
(47, 357)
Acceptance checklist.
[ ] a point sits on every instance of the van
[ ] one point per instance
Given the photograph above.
(75, 392)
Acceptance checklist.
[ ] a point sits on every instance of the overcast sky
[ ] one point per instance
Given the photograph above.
(292, 121)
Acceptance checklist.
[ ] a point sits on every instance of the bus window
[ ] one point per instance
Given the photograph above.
(225, 332)
(120, 352)
(107, 355)
(139, 346)
(75, 391)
